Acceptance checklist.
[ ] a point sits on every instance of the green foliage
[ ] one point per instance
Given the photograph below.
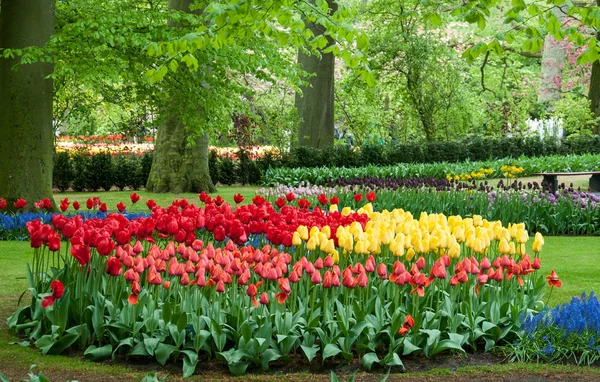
(62, 173)
(100, 173)
(577, 118)
(227, 172)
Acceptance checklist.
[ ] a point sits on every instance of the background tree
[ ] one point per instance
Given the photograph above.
(315, 101)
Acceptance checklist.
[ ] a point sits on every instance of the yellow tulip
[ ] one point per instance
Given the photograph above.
(346, 211)
(327, 231)
(335, 256)
(410, 254)
(522, 236)
(327, 246)
(314, 231)
(454, 251)
(311, 244)
(539, 237)
(513, 250)
(296, 240)
(333, 208)
(537, 245)
(503, 247)
(303, 231)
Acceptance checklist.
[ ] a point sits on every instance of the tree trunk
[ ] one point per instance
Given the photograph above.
(177, 166)
(553, 63)
(315, 105)
(594, 93)
(25, 104)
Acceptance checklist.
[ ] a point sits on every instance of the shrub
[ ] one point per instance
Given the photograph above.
(227, 170)
(99, 173)
(62, 174)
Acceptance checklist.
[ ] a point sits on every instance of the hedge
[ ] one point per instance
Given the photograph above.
(81, 171)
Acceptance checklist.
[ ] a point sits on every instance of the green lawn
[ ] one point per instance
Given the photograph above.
(575, 259)
(111, 198)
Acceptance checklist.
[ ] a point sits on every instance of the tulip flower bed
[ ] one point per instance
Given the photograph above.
(565, 212)
(263, 283)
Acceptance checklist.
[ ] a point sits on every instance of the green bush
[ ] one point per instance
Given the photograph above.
(62, 174)
(80, 160)
(99, 174)
(123, 167)
(228, 172)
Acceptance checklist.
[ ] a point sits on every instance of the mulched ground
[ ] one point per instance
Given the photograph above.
(297, 369)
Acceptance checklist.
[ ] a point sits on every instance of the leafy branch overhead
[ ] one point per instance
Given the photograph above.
(227, 26)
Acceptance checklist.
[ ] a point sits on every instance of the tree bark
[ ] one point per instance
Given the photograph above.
(316, 104)
(594, 92)
(553, 63)
(176, 165)
(26, 135)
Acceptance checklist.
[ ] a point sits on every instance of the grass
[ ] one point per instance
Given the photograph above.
(575, 259)
(111, 198)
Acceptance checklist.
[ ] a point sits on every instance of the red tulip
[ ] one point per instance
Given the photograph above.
(553, 280)
(238, 198)
(284, 285)
(89, 204)
(280, 202)
(536, 263)
(219, 200)
(322, 199)
(113, 266)
(290, 196)
(420, 263)
(371, 196)
(382, 271)
(103, 207)
(316, 277)
(121, 207)
(58, 290)
(334, 200)
(2, 203)
(134, 198)
(303, 203)
(281, 297)
(362, 280)
(64, 204)
(220, 286)
(264, 298)
(53, 241)
(409, 322)
(133, 299)
(167, 284)
(258, 200)
(358, 197)
(81, 253)
(21, 203)
(459, 278)
(76, 205)
(150, 204)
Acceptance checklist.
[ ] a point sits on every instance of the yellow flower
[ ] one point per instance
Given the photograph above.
(522, 236)
(454, 251)
(503, 247)
(296, 240)
(311, 244)
(410, 254)
(335, 256)
(333, 208)
(327, 231)
(303, 232)
(513, 250)
(327, 246)
(537, 245)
